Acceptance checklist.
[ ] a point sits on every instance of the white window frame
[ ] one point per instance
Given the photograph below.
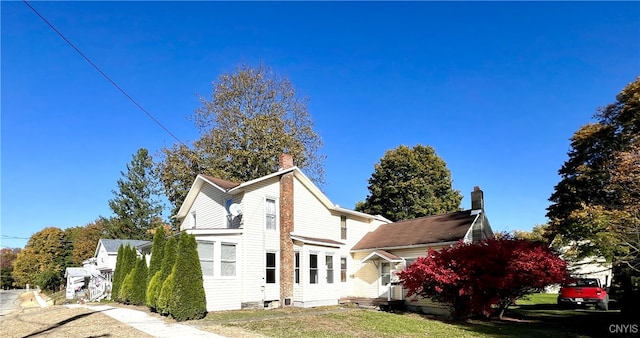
(211, 261)
(275, 214)
(343, 227)
(275, 267)
(330, 273)
(234, 261)
(296, 267)
(343, 270)
(313, 280)
(227, 215)
(192, 219)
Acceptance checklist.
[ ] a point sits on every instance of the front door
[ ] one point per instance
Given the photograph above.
(272, 275)
(385, 278)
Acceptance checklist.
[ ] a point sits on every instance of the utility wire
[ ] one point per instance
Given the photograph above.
(102, 73)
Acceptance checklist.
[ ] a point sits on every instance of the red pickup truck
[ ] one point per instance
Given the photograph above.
(584, 291)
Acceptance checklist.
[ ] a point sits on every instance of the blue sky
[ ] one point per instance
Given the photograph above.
(496, 88)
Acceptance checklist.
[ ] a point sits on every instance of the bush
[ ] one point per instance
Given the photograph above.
(49, 280)
(187, 300)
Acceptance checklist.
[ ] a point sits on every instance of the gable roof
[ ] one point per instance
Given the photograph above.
(450, 227)
(232, 188)
(112, 245)
(387, 256)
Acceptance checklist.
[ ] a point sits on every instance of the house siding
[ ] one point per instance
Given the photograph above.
(257, 240)
(209, 207)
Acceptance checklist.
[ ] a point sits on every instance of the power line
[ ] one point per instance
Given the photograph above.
(102, 73)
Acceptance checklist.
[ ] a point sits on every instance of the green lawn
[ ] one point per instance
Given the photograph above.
(535, 316)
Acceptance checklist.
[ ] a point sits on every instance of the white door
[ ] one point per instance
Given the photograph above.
(272, 277)
(385, 278)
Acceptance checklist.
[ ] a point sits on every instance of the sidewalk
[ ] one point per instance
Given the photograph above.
(140, 321)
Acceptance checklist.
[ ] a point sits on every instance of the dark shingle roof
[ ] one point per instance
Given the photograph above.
(425, 230)
(224, 184)
(112, 245)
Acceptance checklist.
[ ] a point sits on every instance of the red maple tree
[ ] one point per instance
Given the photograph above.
(484, 277)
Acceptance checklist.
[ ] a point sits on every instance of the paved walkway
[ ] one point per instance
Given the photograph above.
(142, 321)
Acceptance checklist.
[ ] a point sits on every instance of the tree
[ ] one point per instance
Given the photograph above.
(84, 239)
(134, 286)
(124, 264)
(187, 298)
(590, 195)
(537, 234)
(46, 252)
(157, 252)
(136, 205)
(253, 116)
(472, 278)
(7, 257)
(409, 183)
(155, 285)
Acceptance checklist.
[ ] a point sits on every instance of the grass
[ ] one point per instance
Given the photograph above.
(534, 316)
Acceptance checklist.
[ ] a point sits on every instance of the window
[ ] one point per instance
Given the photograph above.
(343, 269)
(343, 227)
(385, 273)
(192, 219)
(205, 252)
(296, 272)
(329, 262)
(313, 269)
(270, 212)
(227, 259)
(228, 216)
(409, 261)
(270, 276)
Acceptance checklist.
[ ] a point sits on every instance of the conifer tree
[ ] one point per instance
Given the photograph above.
(157, 252)
(187, 300)
(155, 284)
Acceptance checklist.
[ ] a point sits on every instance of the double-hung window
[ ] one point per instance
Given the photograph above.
(270, 213)
(227, 259)
(343, 227)
(296, 274)
(270, 273)
(329, 264)
(313, 269)
(343, 269)
(205, 252)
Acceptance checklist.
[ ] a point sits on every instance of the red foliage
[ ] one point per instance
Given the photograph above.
(477, 278)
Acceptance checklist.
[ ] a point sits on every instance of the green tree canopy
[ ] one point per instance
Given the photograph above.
(84, 240)
(409, 183)
(136, 203)
(252, 117)
(157, 251)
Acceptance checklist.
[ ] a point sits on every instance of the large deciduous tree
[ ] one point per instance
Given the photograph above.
(472, 278)
(252, 117)
(136, 204)
(47, 253)
(7, 257)
(84, 240)
(593, 204)
(409, 183)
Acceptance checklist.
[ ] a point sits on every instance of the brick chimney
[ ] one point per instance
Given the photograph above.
(477, 199)
(285, 161)
(286, 228)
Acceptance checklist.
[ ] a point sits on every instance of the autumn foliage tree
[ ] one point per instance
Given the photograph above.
(47, 253)
(252, 117)
(484, 277)
(7, 257)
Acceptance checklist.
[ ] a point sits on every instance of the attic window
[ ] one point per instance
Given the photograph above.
(343, 227)
(192, 219)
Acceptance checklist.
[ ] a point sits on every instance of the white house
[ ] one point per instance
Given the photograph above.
(93, 280)
(279, 241)
(273, 241)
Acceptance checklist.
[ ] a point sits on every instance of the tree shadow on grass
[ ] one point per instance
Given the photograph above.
(544, 320)
(63, 322)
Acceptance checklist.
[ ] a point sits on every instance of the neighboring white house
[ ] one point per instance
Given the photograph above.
(94, 279)
(278, 241)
